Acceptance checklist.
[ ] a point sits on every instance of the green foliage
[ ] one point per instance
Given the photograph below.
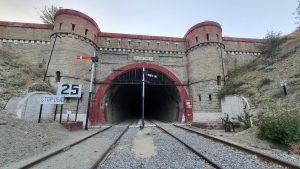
(281, 127)
(270, 48)
(297, 14)
(246, 119)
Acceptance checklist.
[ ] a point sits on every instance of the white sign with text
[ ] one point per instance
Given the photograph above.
(69, 90)
(52, 99)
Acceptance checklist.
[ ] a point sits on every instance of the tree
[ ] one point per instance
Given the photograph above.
(48, 14)
(269, 49)
(297, 14)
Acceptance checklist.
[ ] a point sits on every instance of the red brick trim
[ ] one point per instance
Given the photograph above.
(202, 24)
(98, 114)
(142, 37)
(26, 25)
(249, 40)
(76, 13)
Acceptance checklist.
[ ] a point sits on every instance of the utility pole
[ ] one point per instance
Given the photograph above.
(94, 60)
(143, 98)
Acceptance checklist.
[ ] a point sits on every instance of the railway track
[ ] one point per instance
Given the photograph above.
(166, 151)
(219, 153)
(162, 145)
(247, 150)
(83, 154)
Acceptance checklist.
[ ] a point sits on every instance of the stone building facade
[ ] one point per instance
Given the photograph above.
(194, 66)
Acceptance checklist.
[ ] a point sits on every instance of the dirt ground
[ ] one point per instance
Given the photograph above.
(20, 140)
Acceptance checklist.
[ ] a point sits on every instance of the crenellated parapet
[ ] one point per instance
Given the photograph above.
(71, 21)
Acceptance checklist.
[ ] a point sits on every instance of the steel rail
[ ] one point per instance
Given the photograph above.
(104, 156)
(247, 150)
(43, 158)
(189, 147)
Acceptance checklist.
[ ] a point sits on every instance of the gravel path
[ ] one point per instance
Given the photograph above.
(85, 154)
(159, 151)
(225, 156)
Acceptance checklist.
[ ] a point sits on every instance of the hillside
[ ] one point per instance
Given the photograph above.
(16, 76)
(260, 81)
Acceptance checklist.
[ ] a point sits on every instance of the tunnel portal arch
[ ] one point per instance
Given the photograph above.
(98, 111)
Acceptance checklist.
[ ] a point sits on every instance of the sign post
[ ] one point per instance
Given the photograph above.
(283, 84)
(94, 59)
(50, 99)
(70, 90)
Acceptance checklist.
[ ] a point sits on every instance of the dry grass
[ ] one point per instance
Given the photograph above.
(295, 148)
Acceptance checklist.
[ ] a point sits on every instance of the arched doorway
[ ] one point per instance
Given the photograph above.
(165, 101)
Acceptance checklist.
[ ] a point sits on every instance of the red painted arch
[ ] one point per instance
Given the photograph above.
(98, 113)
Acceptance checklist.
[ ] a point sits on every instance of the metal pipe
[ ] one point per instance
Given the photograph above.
(61, 110)
(40, 115)
(77, 108)
(55, 112)
(222, 62)
(49, 59)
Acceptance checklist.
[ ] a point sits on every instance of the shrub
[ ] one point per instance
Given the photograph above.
(245, 119)
(40, 87)
(282, 127)
(270, 48)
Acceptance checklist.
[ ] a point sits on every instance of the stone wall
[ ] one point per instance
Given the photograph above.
(198, 59)
(32, 53)
(25, 31)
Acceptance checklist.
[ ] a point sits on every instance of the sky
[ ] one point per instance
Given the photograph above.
(238, 18)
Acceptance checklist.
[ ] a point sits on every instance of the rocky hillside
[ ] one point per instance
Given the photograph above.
(16, 76)
(260, 80)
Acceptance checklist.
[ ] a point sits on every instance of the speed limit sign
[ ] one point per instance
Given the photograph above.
(69, 90)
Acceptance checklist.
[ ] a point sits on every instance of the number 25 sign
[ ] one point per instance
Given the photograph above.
(69, 90)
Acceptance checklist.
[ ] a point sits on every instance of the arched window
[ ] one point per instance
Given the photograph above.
(218, 80)
(209, 96)
(57, 79)
(207, 37)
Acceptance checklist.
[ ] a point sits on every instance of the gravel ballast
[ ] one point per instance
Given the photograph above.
(223, 155)
(169, 153)
(275, 153)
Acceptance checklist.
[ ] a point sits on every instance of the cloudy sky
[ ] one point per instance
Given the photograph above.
(239, 18)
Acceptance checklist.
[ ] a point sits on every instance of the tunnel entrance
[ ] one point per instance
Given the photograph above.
(124, 97)
(119, 96)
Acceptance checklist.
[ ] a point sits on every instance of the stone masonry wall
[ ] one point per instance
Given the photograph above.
(30, 52)
(66, 48)
(21, 33)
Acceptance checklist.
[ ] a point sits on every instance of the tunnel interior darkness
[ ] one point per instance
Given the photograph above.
(123, 100)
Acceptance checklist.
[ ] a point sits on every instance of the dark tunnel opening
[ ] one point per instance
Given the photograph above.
(124, 97)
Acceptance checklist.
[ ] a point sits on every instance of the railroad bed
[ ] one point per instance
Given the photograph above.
(158, 145)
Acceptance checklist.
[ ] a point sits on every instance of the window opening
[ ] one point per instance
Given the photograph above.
(73, 27)
(218, 80)
(57, 79)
